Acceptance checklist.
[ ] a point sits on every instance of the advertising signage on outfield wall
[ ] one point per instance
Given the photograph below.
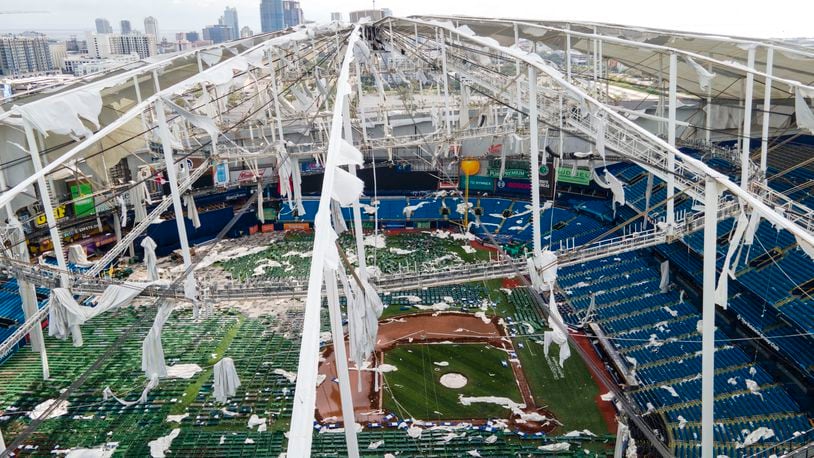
(509, 173)
(522, 187)
(477, 183)
(571, 176)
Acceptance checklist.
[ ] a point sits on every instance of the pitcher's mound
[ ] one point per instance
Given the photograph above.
(453, 380)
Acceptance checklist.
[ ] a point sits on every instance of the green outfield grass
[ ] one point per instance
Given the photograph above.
(415, 389)
(569, 392)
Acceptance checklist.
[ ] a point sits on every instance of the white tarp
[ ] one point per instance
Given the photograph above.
(66, 315)
(152, 352)
(704, 75)
(364, 309)
(192, 210)
(150, 259)
(543, 270)
(805, 118)
(722, 289)
(261, 215)
(225, 379)
(200, 121)
(600, 135)
(139, 196)
(77, 255)
(665, 276)
(556, 335)
(63, 115)
(107, 393)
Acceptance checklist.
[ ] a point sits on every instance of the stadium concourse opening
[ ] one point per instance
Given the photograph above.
(424, 236)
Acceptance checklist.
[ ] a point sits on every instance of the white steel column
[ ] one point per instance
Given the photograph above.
(767, 107)
(447, 114)
(362, 115)
(708, 318)
(300, 434)
(27, 292)
(568, 54)
(534, 138)
(671, 139)
(708, 115)
(341, 358)
(277, 112)
(56, 241)
(518, 88)
(47, 205)
(172, 177)
(747, 119)
(593, 61)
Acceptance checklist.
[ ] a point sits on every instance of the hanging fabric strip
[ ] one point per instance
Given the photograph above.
(200, 121)
(805, 118)
(65, 315)
(463, 114)
(617, 187)
(296, 182)
(261, 215)
(139, 197)
(107, 393)
(64, 113)
(226, 380)
(192, 210)
(191, 293)
(122, 211)
(665, 276)
(338, 220)
(150, 260)
(806, 247)
(751, 230)
(704, 76)
(600, 136)
(152, 352)
(722, 289)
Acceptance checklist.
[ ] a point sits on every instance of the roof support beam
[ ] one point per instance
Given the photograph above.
(767, 108)
(300, 435)
(688, 163)
(534, 139)
(716, 63)
(747, 119)
(708, 318)
(671, 139)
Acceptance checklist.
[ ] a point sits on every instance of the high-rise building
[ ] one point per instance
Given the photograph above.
(374, 15)
(271, 15)
(98, 45)
(217, 33)
(143, 45)
(125, 26)
(229, 19)
(24, 55)
(292, 13)
(336, 16)
(104, 45)
(151, 27)
(246, 32)
(103, 26)
(58, 54)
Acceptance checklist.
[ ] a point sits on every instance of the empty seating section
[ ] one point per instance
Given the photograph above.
(656, 334)
(765, 296)
(11, 310)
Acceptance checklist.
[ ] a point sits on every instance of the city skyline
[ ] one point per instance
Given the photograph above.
(78, 16)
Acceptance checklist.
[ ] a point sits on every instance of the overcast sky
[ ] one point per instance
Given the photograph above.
(785, 18)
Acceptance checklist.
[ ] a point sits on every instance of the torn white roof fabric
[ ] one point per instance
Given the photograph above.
(226, 380)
